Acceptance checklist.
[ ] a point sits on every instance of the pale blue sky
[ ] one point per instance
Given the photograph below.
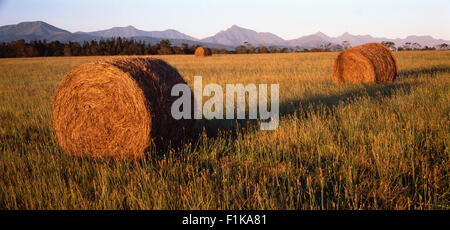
(288, 19)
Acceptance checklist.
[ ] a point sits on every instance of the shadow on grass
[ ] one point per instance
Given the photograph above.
(301, 106)
(320, 101)
(414, 73)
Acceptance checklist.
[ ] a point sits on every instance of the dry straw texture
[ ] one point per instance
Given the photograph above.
(202, 52)
(117, 108)
(368, 63)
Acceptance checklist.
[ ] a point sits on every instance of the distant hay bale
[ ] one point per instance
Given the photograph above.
(368, 63)
(117, 107)
(202, 52)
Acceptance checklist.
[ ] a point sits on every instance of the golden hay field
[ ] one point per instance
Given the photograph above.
(348, 146)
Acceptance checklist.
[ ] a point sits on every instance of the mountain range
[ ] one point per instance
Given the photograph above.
(228, 39)
(39, 30)
(131, 31)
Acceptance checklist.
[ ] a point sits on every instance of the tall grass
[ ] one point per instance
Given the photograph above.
(350, 146)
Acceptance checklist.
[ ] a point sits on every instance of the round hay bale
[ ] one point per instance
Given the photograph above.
(117, 107)
(368, 63)
(202, 52)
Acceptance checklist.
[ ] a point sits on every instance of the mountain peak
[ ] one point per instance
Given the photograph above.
(131, 31)
(416, 37)
(33, 23)
(321, 35)
(37, 27)
(124, 27)
(235, 36)
(36, 24)
(345, 35)
(36, 30)
(235, 27)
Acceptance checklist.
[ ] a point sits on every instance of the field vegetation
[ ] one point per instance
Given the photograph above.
(347, 146)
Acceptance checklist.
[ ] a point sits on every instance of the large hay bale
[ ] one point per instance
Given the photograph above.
(117, 107)
(368, 63)
(202, 52)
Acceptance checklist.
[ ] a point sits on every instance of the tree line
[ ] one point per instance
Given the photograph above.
(124, 46)
(407, 46)
(114, 46)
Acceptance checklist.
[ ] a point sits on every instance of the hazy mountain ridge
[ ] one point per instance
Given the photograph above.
(39, 30)
(310, 41)
(235, 36)
(361, 39)
(228, 39)
(131, 31)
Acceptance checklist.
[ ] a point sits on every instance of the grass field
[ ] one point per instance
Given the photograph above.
(350, 146)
